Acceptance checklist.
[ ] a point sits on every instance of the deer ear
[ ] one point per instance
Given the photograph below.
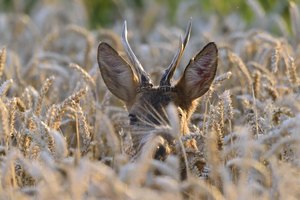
(199, 73)
(116, 73)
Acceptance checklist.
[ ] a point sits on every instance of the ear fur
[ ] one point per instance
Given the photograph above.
(199, 73)
(116, 73)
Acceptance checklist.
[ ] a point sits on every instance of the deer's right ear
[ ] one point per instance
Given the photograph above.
(116, 73)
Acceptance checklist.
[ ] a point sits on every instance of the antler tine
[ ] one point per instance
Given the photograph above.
(168, 74)
(143, 76)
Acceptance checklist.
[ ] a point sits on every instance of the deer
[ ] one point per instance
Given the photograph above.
(146, 102)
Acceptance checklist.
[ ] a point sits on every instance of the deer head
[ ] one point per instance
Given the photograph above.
(144, 101)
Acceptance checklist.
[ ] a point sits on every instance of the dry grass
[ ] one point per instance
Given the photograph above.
(63, 136)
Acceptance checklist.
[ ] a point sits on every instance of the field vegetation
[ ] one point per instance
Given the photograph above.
(63, 135)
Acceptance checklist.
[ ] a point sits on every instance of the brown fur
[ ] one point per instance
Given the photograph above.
(147, 104)
(157, 99)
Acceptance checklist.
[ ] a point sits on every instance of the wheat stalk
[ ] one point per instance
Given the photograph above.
(234, 58)
(275, 58)
(5, 87)
(45, 87)
(292, 72)
(89, 41)
(86, 77)
(4, 122)
(2, 61)
(271, 91)
(55, 112)
(256, 84)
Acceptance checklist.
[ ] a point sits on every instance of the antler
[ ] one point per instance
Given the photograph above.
(143, 76)
(166, 77)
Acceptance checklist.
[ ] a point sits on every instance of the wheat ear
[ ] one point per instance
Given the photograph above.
(86, 77)
(47, 84)
(55, 112)
(5, 87)
(2, 61)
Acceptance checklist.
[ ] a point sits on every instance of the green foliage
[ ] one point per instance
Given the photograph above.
(7, 5)
(105, 12)
(227, 7)
(101, 12)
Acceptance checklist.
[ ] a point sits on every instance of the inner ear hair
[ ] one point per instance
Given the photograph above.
(199, 73)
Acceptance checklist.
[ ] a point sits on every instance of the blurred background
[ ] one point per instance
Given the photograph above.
(74, 27)
(103, 13)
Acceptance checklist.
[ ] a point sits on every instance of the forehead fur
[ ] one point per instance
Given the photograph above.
(159, 97)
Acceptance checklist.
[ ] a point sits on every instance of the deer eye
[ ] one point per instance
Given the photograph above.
(133, 118)
(160, 153)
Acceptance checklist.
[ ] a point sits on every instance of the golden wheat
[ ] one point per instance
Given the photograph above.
(68, 138)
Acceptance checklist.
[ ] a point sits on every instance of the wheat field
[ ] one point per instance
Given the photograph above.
(63, 135)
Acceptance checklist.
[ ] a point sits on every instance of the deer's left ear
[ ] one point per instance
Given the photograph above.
(199, 73)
